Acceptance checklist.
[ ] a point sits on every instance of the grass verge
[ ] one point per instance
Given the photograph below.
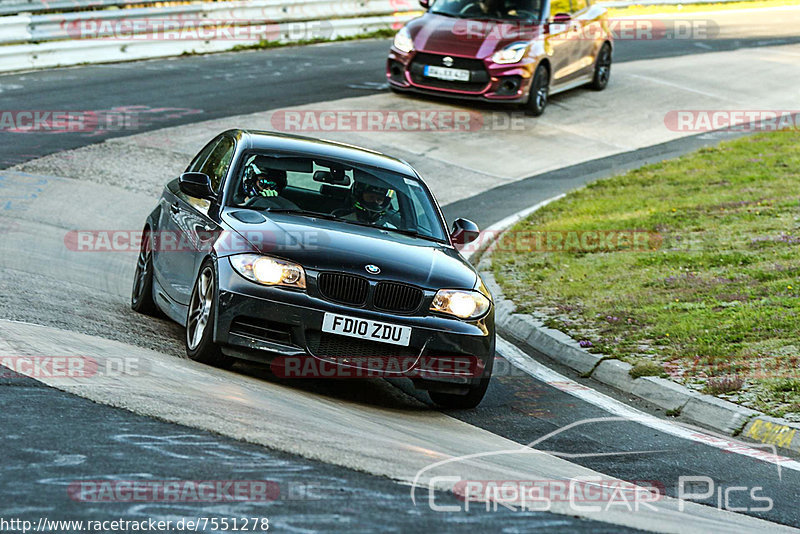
(715, 304)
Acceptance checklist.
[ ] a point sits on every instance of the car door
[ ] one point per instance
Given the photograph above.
(166, 239)
(560, 41)
(189, 224)
(590, 27)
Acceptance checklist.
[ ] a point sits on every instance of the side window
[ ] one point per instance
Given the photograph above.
(578, 5)
(216, 166)
(559, 6)
(201, 156)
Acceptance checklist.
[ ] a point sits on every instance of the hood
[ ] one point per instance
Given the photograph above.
(467, 37)
(324, 245)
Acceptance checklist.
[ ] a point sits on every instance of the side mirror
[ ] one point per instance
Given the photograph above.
(425, 3)
(197, 185)
(464, 231)
(562, 18)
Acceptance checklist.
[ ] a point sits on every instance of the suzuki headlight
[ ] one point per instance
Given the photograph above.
(513, 53)
(269, 271)
(403, 41)
(462, 303)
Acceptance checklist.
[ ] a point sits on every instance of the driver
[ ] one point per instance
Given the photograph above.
(268, 185)
(367, 202)
(264, 184)
(496, 8)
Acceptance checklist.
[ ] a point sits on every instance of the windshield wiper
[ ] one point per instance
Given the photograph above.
(304, 213)
(410, 233)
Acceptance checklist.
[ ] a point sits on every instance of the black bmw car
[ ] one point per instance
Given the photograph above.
(290, 251)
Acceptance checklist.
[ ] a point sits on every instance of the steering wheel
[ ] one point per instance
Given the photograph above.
(464, 10)
(527, 15)
(250, 203)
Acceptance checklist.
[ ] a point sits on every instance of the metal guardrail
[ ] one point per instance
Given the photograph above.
(137, 21)
(14, 7)
(61, 39)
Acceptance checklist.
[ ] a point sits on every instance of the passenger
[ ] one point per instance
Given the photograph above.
(367, 203)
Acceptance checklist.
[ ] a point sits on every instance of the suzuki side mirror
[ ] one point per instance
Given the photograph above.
(562, 18)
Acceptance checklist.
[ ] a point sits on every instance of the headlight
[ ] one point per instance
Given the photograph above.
(462, 303)
(403, 42)
(511, 54)
(269, 271)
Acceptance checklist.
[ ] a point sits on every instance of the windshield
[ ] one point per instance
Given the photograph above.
(336, 190)
(490, 9)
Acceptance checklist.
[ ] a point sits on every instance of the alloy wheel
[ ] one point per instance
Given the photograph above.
(200, 308)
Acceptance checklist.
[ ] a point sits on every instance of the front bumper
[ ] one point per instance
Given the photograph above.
(494, 82)
(271, 324)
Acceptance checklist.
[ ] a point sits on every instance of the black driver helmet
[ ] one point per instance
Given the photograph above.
(264, 183)
(370, 196)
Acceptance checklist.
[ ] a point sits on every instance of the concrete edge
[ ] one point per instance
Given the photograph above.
(675, 399)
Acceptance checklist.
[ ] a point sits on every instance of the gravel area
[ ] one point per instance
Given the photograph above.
(141, 169)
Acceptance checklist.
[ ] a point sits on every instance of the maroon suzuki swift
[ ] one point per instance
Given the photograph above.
(508, 51)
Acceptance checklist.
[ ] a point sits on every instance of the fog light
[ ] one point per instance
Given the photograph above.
(509, 86)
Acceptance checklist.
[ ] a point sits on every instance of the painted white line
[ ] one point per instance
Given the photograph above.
(502, 224)
(617, 408)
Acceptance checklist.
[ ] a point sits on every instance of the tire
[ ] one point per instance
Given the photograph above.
(199, 338)
(142, 291)
(472, 398)
(602, 68)
(539, 92)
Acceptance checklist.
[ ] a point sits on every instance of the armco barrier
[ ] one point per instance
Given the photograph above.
(62, 53)
(12, 7)
(50, 40)
(64, 25)
(15, 29)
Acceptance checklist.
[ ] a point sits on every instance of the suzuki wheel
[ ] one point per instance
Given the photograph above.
(540, 89)
(602, 68)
